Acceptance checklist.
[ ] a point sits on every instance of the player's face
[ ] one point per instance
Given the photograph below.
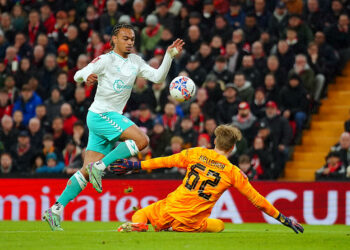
(124, 41)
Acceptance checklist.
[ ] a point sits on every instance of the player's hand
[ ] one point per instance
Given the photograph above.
(178, 45)
(92, 79)
(290, 223)
(121, 167)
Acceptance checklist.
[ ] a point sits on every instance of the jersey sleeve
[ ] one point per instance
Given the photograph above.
(241, 183)
(96, 66)
(179, 160)
(155, 75)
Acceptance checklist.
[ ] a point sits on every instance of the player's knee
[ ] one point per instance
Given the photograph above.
(142, 142)
(139, 217)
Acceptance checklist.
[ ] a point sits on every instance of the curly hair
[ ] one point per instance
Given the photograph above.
(117, 28)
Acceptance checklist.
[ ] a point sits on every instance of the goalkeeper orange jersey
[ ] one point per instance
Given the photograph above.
(208, 175)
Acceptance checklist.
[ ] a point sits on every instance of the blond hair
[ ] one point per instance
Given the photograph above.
(176, 139)
(226, 137)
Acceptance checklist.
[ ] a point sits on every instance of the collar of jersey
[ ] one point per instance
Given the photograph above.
(125, 59)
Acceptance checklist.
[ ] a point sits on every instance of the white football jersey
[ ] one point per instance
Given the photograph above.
(116, 78)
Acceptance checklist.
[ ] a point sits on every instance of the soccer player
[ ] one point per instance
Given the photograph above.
(115, 73)
(209, 175)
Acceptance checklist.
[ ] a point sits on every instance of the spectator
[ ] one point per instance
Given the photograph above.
(11, 59)
(192, 40)
(41, 114)
(39, 161)
(141, 93)
(259, 56)
(6, 164)
(38, 58)
(338, 36)
(205, 57)
(195, 72)
(82, 61)
(244, 88)
(221, 71)
(214, 88)
(59, 34)
(92, 18)
(262, 13)
(166, 18)
(278, 21)
(6, 27)
(204, 141)
(145, 120)
(206, 106)
(294, 43)
(187, 133)
(245, 121)
(49, 147)
(27, 103)
(18, 18)
(304, 32)
(176, 145)
(138, 17)
(53, 105)
(280, 135)
(49, 74)
(197, 117)
(210, 126)
(233, 56)
(235, 16)
(221, 28)
(247, 168)
(35, 133)
(47, 17)
(18, 120)
(34, 27)
(23, 152)
(285, 55)
(59, 135)
(22, 46)
(66, 89)
(62, 57)
(251, 30)
(228, 107)
(313, 15)
(169, 119)
(294, 102)
(70, 152)
(160, 93)
(217, 46)
(336, 10)
(5, 106)
(110, 17)
(150, 35)
(334, 168)
(209, 13)
(24, 73)
(251, 73)
(279, 73)
(159, 139)
(271, 89)
(261, 160)
(80, 136)
(76, 164)
(68, 118)
(343, 148)
(13, 92)
(52, 165)
(258, 105)
(95, 47)
(80, 104)
(8, 134)
(48, 44)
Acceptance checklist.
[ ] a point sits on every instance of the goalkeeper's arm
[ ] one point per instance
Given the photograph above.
(242, 184)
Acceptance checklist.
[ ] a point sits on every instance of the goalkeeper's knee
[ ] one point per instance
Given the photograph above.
(139, 217)
(215, 226)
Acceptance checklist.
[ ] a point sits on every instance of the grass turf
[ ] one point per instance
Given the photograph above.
(99, 235)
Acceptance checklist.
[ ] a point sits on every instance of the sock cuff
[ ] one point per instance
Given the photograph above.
(81, 179)
(132, 147)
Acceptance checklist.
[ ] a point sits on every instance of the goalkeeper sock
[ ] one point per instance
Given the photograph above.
(123, 150)
(75, 185)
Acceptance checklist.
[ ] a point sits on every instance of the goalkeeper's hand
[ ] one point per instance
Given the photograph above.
(121, 167)
(290, 223)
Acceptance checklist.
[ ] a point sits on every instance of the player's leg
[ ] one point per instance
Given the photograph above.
(138, 221)
(75, 185)
(215, 226)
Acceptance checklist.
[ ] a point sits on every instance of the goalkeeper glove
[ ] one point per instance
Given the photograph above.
(290, 223)
(124, 166)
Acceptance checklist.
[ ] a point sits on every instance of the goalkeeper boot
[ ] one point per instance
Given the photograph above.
(53, 219)
(95, 175)
(133, 227)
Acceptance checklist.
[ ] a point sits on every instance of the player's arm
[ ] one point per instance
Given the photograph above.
(90, 72)
(124, 166)
(241, 183)
(159, 75)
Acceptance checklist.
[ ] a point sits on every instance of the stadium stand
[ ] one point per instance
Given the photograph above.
(271, 68)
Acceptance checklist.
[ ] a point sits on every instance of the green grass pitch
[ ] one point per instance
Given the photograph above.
(101, 235)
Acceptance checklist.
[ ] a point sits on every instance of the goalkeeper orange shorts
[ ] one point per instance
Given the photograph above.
(159, 218)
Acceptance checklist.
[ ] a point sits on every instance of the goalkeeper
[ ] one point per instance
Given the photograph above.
(209, 175)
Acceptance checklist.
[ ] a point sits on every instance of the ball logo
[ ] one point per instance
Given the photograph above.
(181, 85)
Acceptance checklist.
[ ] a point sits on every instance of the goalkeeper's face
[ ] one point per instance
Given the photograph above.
(124, 41)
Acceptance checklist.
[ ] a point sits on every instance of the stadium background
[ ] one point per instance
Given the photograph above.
(242, 55)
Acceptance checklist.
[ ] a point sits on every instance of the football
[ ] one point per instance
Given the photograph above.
(182, 88)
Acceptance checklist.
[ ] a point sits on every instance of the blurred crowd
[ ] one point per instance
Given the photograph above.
(262, 66)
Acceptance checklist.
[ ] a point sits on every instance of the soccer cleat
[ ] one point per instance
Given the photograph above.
(53, 219)
(95, 175)
(133, 227)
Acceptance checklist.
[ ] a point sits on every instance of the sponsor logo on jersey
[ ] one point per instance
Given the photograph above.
(119, 86)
